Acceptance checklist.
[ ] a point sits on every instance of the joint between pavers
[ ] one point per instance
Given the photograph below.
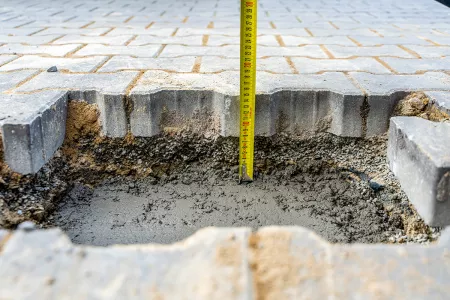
(107, 31)
(385, 64)
(71, 53)
(23, 82)
(327, 52)
(413, 53)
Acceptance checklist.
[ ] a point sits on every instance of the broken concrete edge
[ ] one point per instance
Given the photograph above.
(418, 154)
(221, 263)
(30, 139)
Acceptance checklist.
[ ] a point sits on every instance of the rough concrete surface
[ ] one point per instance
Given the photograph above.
(227, 263)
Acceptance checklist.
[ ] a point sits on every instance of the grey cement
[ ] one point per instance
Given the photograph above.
(129, 212)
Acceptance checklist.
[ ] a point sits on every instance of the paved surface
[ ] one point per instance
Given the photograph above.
(273, 263)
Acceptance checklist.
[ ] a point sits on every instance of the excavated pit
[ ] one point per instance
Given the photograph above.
(161, 189)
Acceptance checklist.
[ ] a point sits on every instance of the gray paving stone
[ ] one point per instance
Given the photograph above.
(33, 128)
(335, 32)
(137, 51)
(7, 58)
(74, 31)
(86, 39)
(385, 85)
(53, 50)
(87, 64)
(342, 111)
(332, 40)
(430, 51)
(10, 80)
(413, 66)
(162, 32)
(218, 64)
(362, 64)
(121, 63)
(263, 40)
(378, 41)
(348, 52)
(418, 153)
(17, 31)
(30, 40)
(218, 257)
(441, 100)
(143, 40)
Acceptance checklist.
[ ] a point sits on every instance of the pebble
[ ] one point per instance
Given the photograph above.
(52, 69)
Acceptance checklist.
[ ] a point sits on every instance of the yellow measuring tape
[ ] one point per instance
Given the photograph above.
(248, 82)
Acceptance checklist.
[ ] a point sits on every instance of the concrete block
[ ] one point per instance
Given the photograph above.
(379, 41)
(52, 50)
(70, 31)
(29, 40)
(10, 80)
(86, 39)
(87, 64)
(218, 64)
(332, 40)
(33, 128)
(161, 32)
(361, 64)
(430, 51)
(123, 63)
(142, 40)
(137, 51)
(441, 100)
(418, 153)
(4, 59)
(386, 50)
(413, 66)
(42, 264)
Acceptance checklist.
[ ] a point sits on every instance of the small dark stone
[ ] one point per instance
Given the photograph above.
(52, 69)
(375, 186)
(26, 226)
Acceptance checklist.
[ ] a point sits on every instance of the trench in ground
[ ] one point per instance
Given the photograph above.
(161, 189)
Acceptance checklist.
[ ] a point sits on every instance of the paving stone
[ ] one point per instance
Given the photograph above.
(430, 51)
(348, 52)
(379, 41)
(412, 66)
(30, 40)
(263, 40)
(10, 80)
(52, 23)
(143, 40)
(120, 63)
(53, 50)
(418, 155)
(17, 31)
(137, 51)
(33, 128)
(333, 40)
(385, 90)
(7, 58)
(87, 64)
(81, 39)
(70, 31)
(218, 64)
(109, 92)
(162, 32)
(441, 100)
(343, 101)
(335, 32)
(362, 64)
(218, 257)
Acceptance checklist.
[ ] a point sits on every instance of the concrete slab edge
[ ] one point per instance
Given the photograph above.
(221, 263)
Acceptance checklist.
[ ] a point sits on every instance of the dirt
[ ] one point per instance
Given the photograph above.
(419, 105)
(163, 188)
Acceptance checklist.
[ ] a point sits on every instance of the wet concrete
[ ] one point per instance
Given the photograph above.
(129, 211)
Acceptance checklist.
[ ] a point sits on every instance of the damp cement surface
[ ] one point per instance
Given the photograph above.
(129, 212)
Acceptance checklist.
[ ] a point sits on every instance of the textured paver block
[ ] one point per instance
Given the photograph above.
(441, 100)
(225, 263)
(106, 40)
(31, 40)
(412, 66)
(87, 64)
(430, 51)
(53, 50)
(418, 154)
(341, 104)
(10, 80)
(42, 264)
(33, 128)
(7, 58)
(110, 90)
(388, 50)
(143, 40)
(364, 64)
(333, 40)
(218, 64)
(64, 31)
(120, 63)
(137, 51)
